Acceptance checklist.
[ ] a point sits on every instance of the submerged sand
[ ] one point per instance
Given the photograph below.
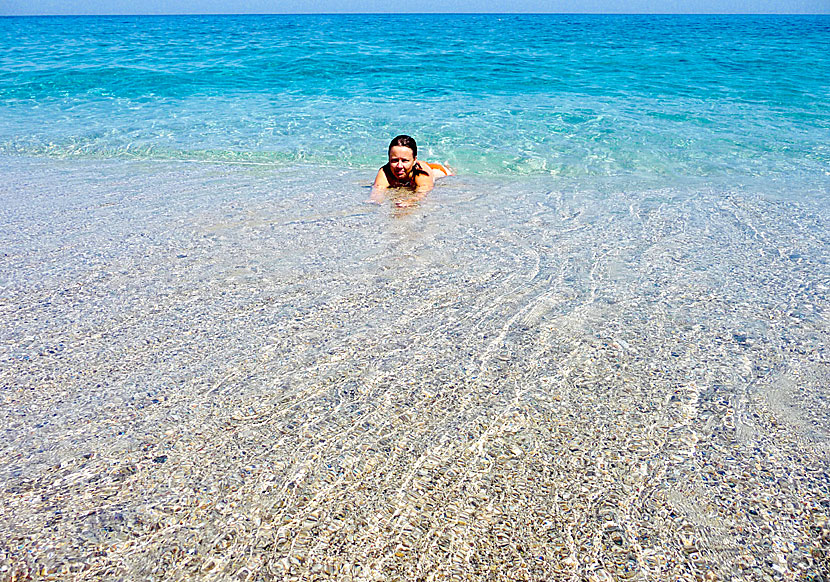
(215, 373)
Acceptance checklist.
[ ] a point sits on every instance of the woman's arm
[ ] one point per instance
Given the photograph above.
(379, 187)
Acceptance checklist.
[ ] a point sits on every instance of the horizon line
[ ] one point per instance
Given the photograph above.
(120, 14)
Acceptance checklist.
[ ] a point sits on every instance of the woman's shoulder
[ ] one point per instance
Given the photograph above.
(383, 177)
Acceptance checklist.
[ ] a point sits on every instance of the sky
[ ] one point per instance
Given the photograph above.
(44, 7)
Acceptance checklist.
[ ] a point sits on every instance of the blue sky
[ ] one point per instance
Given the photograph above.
(20, 7)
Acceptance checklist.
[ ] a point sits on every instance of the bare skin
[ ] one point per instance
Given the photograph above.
(404, 170)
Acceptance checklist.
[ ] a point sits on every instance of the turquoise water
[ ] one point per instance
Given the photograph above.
(599, 353)
(570, 96)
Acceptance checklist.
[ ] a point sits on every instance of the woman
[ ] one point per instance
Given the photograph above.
(405, 170)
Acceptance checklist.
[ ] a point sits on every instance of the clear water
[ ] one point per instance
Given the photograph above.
(598, 353)
(572, 96)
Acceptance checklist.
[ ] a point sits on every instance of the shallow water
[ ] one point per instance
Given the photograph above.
(599, 353)
(507, 381)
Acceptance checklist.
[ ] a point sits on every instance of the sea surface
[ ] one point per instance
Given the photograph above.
(599, 352)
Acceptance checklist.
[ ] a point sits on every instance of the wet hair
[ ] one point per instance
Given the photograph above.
(406, 142)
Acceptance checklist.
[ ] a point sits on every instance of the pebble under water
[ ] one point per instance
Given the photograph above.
(214, 372)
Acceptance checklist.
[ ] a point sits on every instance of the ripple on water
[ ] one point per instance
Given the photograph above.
(507, 381)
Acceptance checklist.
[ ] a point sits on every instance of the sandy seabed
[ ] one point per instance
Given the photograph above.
(219, 372)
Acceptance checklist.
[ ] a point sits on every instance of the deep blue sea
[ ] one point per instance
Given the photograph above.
(601, 352)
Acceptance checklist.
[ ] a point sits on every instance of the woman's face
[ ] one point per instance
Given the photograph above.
(401, 160)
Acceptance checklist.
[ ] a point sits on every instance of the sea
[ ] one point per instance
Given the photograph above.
(598, 352)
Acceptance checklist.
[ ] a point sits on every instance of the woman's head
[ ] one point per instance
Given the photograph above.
(406, 142)
(403, 151)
